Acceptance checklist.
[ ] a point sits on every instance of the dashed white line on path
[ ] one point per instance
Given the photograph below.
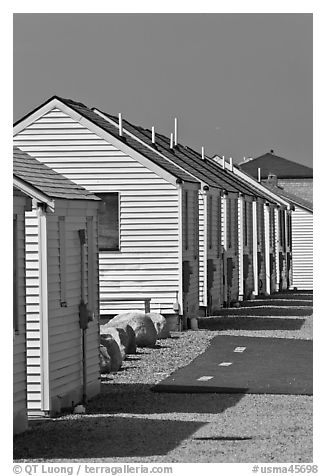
(204, 378)
(225, 364)
(239, 349)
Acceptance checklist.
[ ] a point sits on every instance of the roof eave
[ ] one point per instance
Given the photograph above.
(33, 192)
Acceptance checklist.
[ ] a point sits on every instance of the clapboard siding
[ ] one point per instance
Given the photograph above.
(302, 248)
(210, 286)
(19, 345)
(241, 231)
(65, 351)
(65, 361)
(202, 249)
(261, 247)
(214, 255)
(148, 209)
(280, 250)
(277, 248)
(233, 250)
(33, 325)
(229, 243)
(248, 249)
(273, 246)
(245, 245)
(190, 238)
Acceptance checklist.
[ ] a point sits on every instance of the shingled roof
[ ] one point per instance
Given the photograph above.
(134, 144)
(46, 180)
(269, 194)
(182, 162)
(294, 199)
(205, 170)
(272, 164)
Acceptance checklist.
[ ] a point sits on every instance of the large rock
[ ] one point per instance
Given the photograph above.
(128, 339)
(105, 360)
(119, 335)
(126, 317)
(161, 325)
(132, 347)
(142, 325)
(113, 350)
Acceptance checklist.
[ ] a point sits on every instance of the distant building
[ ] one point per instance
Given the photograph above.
(302, 236)
(293, 177)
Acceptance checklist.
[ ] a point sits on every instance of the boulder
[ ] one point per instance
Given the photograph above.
(126, 317)
(132, 347)
(142, 325)
(161, 325)
(113, 350)
(119, 335)
(105, 360)
(128, 339)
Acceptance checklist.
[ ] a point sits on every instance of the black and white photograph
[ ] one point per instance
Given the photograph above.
(162, 242)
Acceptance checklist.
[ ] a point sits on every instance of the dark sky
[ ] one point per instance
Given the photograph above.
(240, 84)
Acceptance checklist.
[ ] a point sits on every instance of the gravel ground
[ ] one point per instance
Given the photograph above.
(129, 423)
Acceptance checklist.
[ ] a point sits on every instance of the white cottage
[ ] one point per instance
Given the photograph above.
(148, 241)
(21, 204)
(245, 242)
(302, 246)
(209, 205)
(218, 267)
(300, 229)
(271, 220)
(62, 335)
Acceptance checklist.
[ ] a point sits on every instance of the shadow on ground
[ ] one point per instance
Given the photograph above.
(103, 434)
(98, 436)
(139, 399)
(248, 323)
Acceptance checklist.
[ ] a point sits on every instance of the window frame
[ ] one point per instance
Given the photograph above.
(106, 249)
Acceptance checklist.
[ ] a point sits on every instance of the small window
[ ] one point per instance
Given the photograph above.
(109, 226)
